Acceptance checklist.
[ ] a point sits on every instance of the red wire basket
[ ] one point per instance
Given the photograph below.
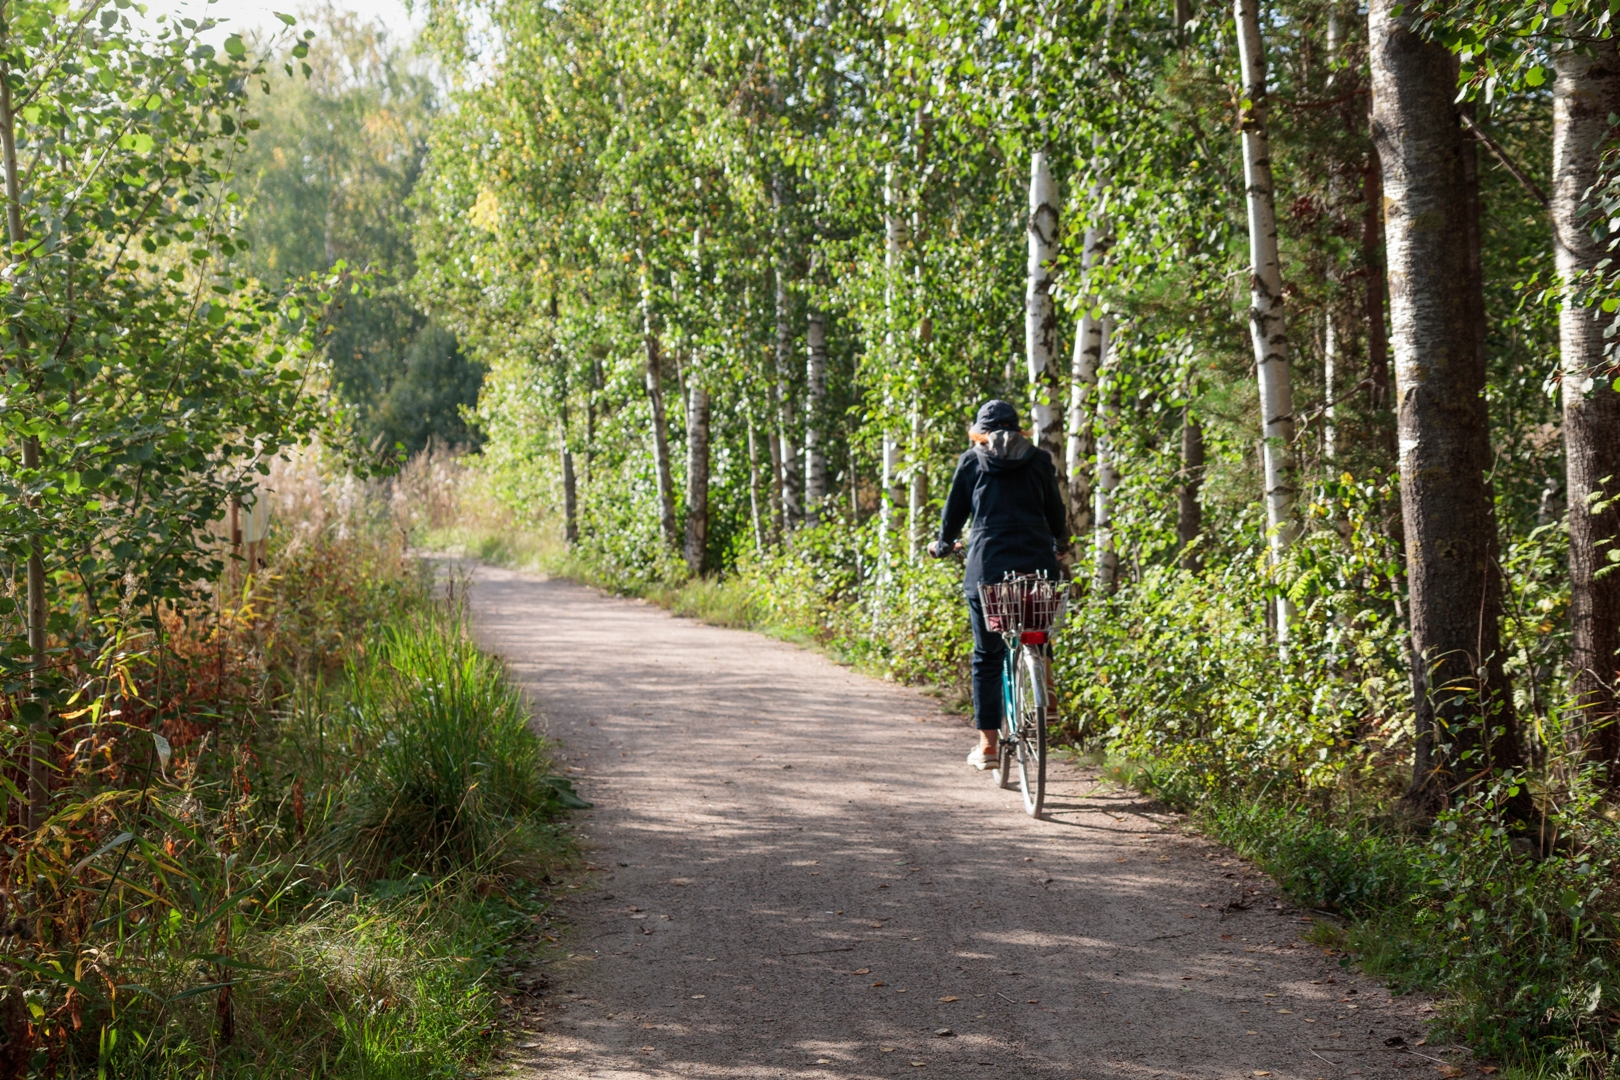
(1028, 604)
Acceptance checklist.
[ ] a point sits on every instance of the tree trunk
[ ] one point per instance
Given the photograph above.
(1586, 93)
(917, 514)
(1330, 375)
(787, 454)
(1466, 722)
(1088, 339)
(773, 442)
(815, 449)
(1040, 319)
(753, 489)
(1107, 557)
(655, 397)
(697, 480)
(1266, 299)
(1189, 511)
(889, 497)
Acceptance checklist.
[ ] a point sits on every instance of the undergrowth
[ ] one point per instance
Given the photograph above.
(296, 834)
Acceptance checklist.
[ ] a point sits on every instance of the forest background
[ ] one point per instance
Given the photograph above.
(1310, 302)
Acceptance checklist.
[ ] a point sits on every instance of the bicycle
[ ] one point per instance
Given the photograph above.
(1026, 610)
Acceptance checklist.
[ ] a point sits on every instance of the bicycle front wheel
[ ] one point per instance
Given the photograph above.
(1030, 706)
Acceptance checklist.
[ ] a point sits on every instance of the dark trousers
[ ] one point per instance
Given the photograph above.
(989, 653)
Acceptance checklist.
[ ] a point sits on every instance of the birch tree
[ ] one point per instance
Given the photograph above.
(1586, 96)
(1266, 327)
(1040, 317)
(815, 378)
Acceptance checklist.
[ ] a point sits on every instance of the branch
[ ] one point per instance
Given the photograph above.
(1508, 163)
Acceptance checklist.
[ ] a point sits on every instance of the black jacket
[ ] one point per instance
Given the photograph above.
(1010, 489)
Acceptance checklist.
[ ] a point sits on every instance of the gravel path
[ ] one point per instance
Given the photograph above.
(795, 875)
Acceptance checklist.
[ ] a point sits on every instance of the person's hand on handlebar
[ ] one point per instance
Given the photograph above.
(938, 550)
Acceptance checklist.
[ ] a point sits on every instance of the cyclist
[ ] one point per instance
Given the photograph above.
(1009, 488)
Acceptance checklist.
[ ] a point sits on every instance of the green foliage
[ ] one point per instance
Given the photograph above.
(329, 176)
(446, 773)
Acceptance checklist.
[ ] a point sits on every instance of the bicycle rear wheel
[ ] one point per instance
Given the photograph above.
(1029, 744)
(1004, 750)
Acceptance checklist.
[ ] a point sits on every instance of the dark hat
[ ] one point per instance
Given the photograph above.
(995, 416)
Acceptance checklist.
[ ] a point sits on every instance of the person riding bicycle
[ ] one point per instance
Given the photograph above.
(1009, 487)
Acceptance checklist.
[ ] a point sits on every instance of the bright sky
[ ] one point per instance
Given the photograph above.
(246, 15)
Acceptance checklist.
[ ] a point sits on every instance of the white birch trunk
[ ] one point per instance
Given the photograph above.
(787, 453)
(889, 497)
(1266, 299)
(1040, 320)
(1107, 557)
(815, 451)
(1330, 375)
(917, 514)
(1088, 341)
(697, 479)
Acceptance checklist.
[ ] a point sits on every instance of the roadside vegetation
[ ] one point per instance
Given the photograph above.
(267, 810)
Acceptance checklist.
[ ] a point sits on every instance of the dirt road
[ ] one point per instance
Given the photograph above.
(801, 878)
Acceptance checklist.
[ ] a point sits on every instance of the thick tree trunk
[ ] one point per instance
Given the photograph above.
(655, 397)
(1040, 318)
(1466, 721)
(697, 480)
(39, 794)
(1266, 298)
(1189, 511)
(1586, 93)
(815, 448)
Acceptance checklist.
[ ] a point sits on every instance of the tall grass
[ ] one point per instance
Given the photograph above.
(293, 835)
(450, 775)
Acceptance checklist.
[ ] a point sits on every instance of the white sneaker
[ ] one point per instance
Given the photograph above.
(981, 761)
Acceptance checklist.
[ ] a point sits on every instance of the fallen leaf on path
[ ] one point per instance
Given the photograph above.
(1261, 1072)
(875, 926)
(919, 1062)
(950, 999)
(861, 971)
(1286, 1012)
(697, 996)
(646, 1048)
(1184, 978)
(1251, 1033)
(1033, 1001)
(823, 1061)
(1122, 860)
(1189, 916)
(944, 1033)
(880, 984)
(886, 1049)
(1450, 1070)
(1487, 1069)
(1226, 937)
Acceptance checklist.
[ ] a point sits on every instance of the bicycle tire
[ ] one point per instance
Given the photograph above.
(1030, 743)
